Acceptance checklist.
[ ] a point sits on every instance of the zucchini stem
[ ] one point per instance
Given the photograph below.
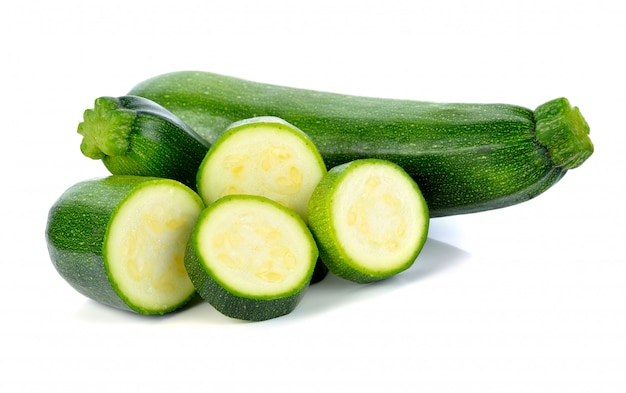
(564, 132)
(106, 129)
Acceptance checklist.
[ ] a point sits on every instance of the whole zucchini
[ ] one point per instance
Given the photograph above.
(464, 157)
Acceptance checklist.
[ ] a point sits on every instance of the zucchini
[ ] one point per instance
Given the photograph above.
(263, 156)
(120, 240)
(465, 157)
(369, 219)
(136, 136)
(250, 257)
(320, 272)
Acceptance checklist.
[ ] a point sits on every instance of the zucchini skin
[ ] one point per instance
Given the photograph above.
(136, 136)
(75, 234)
(465, 157)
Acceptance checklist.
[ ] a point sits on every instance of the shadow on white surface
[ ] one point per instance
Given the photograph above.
(331, 293)
(334, 292)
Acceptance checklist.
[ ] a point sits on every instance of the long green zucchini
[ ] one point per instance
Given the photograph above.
(464, 157)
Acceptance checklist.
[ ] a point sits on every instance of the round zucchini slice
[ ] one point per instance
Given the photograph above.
(369, 219)
(250, 257)
(263, 156)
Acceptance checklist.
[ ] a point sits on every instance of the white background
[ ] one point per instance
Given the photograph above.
(530, 298)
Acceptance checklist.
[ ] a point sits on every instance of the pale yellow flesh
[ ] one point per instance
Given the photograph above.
(377, 217)
(146, 245)
(255, 248)
(266, 161)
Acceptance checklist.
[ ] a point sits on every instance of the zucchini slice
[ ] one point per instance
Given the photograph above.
(250, 257)
(121, 240)
(369, 219)
(263, 156)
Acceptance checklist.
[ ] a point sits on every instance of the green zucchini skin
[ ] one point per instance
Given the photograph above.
(76, 248)
(136, 136)
(465, 157)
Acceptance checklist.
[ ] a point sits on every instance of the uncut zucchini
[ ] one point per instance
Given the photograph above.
(369, 219)
(136, 136)
(121, 240)
(465, 157)
(250, 257)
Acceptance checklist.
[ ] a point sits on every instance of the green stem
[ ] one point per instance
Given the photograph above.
(563, 131)
(106, 129)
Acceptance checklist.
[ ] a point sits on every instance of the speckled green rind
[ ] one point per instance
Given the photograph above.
(465, 157)
(76, 233)
(332, 251)
(227, 299)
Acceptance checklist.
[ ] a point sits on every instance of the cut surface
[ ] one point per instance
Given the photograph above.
(146, 242)
(254, 248)
(378, 216)
(267, 159)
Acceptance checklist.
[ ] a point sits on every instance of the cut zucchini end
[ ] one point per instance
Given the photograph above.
(370, 220)
(250, 257)
(145, 246)
(263, 156)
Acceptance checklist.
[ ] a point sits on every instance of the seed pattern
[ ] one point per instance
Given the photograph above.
(377, 216)
(229, 260)
(148, 259)
(255, 248)
(164, 283)
(174, 223)
(270, 172)
(153, 223)
(236, 164)
(291, 182)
